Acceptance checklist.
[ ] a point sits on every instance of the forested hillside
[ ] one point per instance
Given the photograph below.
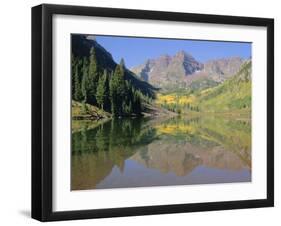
(233, 94)
(97, 80)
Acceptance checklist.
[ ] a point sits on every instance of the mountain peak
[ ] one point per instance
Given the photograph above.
(181, 53)
(185, 64)
(166, 69)
(180, 69)
(184, 54)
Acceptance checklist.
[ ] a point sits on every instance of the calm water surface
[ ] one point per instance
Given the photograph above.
(154, 152)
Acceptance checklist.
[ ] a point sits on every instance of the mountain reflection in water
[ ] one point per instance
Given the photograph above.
(153, 152)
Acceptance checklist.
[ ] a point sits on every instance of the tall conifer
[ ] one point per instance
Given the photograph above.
(117, 87)
(85, 81)
(77, 85)
(101, 89)
(93, 77)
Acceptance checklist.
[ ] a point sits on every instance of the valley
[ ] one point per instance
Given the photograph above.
(231, 96)
(166, 85)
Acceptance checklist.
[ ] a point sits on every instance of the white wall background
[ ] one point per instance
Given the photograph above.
(15, 104)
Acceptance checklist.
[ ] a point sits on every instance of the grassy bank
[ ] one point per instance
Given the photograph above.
(82, 111)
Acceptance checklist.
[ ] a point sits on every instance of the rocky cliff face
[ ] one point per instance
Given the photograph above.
(168, 69)
(182, 70)
(222, 69)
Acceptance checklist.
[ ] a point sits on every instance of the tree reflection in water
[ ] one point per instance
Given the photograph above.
(148, 152)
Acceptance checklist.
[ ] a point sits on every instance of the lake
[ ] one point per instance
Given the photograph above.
(140, 152)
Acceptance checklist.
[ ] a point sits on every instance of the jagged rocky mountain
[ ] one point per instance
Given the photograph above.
(183, 70)
(222, 69)
(166, 69)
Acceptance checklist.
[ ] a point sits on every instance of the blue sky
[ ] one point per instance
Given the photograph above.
(136, 51)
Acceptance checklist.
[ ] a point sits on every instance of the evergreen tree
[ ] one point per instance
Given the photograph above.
(137, 108)
(73, 67)
(127, 100)
(112, 92)
(93, 77)
(77, 85)
(101, 95)
(122, 63)
(117, 87)
(85, 81)
(106, 91)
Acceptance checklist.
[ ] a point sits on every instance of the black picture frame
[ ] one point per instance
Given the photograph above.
(42, 111)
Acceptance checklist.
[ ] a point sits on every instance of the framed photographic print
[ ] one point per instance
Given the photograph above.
(146, 112)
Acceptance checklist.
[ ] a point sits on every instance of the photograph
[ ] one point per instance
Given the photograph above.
(150, 111)
(141, 112)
